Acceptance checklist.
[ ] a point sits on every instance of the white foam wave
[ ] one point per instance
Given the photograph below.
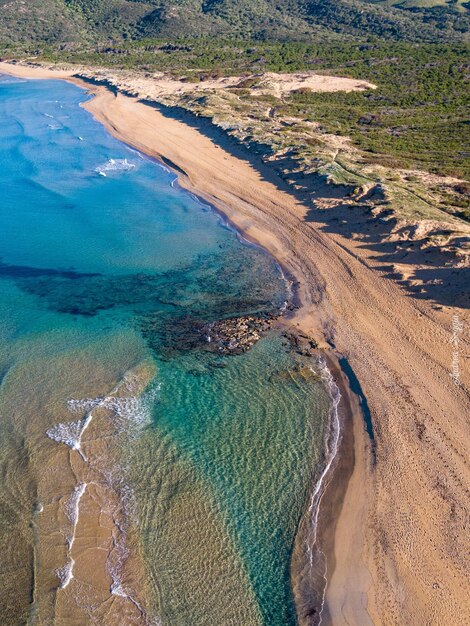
(289, 288)
(331, 448)
(134, 409)
(124, 410)
(115, 564)
(72, 509)
(118, 590)
(115, 165)
(127, 407)
(331, 444)
(68, 433)
(65, 573)
(142, 157)
(117, 557)
(197, 200)
(83, 405)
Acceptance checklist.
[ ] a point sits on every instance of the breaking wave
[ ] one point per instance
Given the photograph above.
(68, 433)
(125, 409)
(115, 165)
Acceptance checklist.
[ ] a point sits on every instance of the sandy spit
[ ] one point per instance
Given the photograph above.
(399, 539)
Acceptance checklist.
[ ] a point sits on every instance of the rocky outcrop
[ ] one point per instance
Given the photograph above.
(300, 343)
(236, 335)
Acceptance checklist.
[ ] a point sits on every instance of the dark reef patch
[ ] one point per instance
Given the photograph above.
(219, 303)
(25, 271)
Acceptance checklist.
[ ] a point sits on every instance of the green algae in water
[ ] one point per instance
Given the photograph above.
(100, 273)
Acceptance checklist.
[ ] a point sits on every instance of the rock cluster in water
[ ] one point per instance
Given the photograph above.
(236, 335)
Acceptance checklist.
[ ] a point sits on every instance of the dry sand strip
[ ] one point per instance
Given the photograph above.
(401, 540)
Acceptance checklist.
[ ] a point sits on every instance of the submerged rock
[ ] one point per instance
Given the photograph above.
(299, 373)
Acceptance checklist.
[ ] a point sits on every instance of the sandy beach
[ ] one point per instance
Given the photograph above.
(397, 545)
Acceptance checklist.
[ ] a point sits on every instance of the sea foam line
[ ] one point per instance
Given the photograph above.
(65, 573)
(118, 590)
(71, 433)
(331, 446)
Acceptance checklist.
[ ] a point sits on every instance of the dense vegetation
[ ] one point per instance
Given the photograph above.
(418, 116)
(68, 22)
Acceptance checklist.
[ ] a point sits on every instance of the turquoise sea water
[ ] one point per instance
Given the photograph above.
(108, 273)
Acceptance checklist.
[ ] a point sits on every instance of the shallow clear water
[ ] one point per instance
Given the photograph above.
(199, 464)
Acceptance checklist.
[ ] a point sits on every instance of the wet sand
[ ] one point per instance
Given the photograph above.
(398, 551)
(87, 551)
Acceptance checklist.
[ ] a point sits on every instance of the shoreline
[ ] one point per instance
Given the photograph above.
(331, 483)
(358, 313)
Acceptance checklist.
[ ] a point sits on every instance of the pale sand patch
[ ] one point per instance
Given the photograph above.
(160, 84)
(401, 540)
(281, 84)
